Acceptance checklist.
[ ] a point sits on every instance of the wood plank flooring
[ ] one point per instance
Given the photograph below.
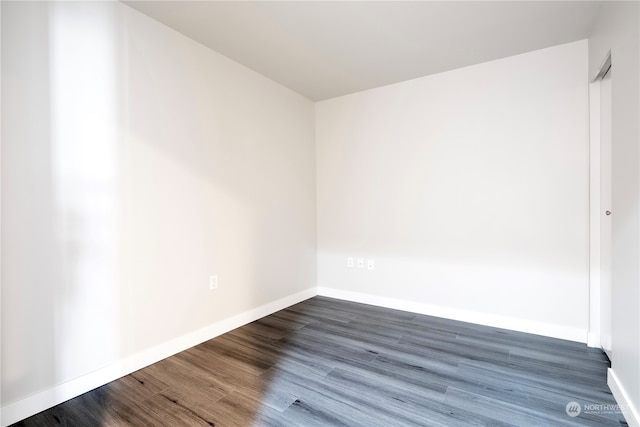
(326, 362)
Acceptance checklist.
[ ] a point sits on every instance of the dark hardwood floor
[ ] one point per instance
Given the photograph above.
(326, 362)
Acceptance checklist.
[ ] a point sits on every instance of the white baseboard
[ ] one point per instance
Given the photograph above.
(531, 327)
(43, 400)
(46, 399)
(631, 413)
(593, 340)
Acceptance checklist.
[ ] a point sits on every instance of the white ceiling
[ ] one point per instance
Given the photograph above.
(324, 49)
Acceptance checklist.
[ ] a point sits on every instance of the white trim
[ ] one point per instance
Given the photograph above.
(521, 325)
(630, 412)
(604, 66)
(593, 339)
(38, 402)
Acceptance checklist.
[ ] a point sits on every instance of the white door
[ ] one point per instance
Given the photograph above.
(606, 212)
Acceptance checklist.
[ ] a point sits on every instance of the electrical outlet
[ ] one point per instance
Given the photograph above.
(360, 263)
(350, 262)
(370, 264)
(213, 282)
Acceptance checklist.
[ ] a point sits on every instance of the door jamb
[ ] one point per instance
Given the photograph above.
(594, 333)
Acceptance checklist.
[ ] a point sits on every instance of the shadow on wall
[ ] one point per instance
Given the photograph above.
(136, 163)
(28, 206)
(60, 195)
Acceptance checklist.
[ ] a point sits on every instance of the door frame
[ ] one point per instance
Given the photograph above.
(595, 290)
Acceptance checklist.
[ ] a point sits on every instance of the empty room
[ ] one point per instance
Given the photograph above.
(320, 213)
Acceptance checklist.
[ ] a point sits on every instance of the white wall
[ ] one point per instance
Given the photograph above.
(135, 163)
(0, 219)
(468, 188)
(617, 29)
